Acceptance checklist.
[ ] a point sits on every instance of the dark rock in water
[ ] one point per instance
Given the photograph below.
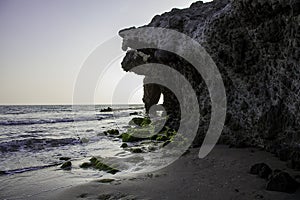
(111, 132)
(255, 45)
(64, 158)
(282, 182)
(97, 163)
(133, 113)
(83, 195)
(108, 109)
(67, 165)
(261, 169)
(85, 165)
(124, 145)
(126, 137)
(2, 173)
(136, 150)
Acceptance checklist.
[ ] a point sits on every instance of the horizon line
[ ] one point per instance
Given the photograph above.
(63, 104)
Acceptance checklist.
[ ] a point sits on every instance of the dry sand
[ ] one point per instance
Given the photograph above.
(223, 174)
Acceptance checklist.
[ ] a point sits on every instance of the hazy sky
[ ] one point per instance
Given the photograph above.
(43, 44)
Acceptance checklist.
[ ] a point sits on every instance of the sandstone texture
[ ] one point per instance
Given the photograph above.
(255, 45)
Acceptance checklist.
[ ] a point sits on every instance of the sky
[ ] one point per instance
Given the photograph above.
(44, 44)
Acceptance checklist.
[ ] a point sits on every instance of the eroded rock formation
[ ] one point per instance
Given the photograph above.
(255, 45)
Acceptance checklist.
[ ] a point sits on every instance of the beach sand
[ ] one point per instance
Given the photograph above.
(223, 174)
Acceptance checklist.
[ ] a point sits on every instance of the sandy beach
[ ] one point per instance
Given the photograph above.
(223, 174)
(101, 100)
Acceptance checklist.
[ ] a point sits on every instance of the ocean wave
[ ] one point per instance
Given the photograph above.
(27, 169)
(52, 121)
(34, 144)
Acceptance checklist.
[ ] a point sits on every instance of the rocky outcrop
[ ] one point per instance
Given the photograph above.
(255, 45)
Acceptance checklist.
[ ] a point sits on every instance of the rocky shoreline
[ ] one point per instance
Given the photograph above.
(224, 174)
(255, 45)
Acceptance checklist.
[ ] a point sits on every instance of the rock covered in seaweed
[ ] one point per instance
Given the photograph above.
(98, 164)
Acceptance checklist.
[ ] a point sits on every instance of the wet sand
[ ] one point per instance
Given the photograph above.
(223, 174)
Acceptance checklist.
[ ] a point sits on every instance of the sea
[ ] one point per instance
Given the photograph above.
(34, 140)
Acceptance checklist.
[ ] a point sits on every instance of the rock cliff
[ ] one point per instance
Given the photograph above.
(255, 45)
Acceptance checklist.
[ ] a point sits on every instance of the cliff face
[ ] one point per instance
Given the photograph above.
(255, 45)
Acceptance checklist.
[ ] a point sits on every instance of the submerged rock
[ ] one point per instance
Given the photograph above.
(86, 165)
(124, 145)
(65, 158)
(111, 132)
(136, 150)
(133, 113)
(126, 137)
(84, 140)
(66, 166)
(108, 109)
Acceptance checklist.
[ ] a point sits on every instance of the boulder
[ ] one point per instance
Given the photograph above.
(261, 169)
(282, 182)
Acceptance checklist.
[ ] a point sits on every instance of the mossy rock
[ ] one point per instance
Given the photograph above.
(124, 145)
(111, 132)
(140, 121)
(141, 132)
(145, 122)
(126, 137)
(162, 138)
(166, 134)
(171, 133)
(67, 165)
(98, 164)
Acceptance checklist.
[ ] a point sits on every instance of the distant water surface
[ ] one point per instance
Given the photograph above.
(35, 137)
